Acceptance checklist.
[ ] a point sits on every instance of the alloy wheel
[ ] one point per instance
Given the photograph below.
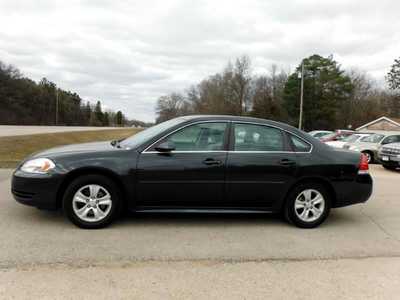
(92, 203)
(309, 205)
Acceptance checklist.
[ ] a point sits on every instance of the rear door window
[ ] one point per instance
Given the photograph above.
(251, 137)
(299, 145)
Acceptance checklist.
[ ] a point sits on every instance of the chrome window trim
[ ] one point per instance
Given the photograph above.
(187, 125)
(228, 151)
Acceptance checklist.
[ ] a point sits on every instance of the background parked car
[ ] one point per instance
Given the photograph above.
(338, 135)
(319, 133)
(349, 139)
(389, 156)
(371, 145)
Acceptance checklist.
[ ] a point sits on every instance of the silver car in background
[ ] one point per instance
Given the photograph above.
(354, 138)
(319, 133)
(389, 156)
(371, 144)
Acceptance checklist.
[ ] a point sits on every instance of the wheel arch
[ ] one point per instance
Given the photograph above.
(72, 175)
(324, 182)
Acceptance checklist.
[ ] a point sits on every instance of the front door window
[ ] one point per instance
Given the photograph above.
(198, 137)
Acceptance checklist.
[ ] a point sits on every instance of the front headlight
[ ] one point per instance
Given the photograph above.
(38, 165)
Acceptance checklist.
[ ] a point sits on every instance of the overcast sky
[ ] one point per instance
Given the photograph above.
(128, 53)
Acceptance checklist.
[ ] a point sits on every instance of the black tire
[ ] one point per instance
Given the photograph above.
(105, 183)
(289, 208)
(392, 168)
(370, 156)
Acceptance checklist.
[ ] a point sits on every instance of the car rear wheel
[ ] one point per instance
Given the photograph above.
(92, 201)
(308, 205)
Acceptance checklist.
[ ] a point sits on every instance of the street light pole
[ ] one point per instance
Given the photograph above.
(56, 106)
(301, 96)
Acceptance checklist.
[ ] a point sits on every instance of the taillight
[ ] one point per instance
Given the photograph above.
(363, 167)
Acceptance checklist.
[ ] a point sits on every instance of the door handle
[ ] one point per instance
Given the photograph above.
(287, 162)
(211, 161)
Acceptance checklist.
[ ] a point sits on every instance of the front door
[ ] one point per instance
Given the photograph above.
(192, 175)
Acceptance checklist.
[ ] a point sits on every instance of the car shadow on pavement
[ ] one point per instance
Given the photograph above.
(340, 217)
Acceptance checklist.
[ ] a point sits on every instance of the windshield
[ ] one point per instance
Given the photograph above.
(330, 135)
(351, 138)
(139, 138)
(375, 138)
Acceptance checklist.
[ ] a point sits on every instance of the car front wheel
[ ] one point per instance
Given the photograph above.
(308, 205)
(370, 156)
(92, 201)
(389, 167)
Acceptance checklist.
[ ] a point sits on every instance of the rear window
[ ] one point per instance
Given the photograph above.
(299, 145)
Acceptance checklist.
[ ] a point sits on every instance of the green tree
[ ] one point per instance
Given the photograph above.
(119, 118)
(25, 102)
(326, 92)
(393, 76)
(98, 113)
(106, 119)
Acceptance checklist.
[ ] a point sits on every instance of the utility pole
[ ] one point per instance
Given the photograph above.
(301, 96)
(56, 106)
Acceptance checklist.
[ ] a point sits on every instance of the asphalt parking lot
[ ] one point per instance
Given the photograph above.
(355, 253)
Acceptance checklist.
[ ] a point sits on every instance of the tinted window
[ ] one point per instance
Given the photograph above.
(375, 138)
(249, 137)
(351, 138)
(319, 134)
(391, 139)
(199, 137)
(147, 134)
(299, 145)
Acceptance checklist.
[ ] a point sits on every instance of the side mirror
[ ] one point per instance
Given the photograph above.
(165, 147)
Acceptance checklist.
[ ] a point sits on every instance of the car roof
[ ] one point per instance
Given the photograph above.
(236, 118)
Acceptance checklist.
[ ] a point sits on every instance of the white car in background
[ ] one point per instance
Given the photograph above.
(319, 133)
(357, 137)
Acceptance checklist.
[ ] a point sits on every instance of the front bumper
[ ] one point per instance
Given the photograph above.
(39, 190)
(389, 159)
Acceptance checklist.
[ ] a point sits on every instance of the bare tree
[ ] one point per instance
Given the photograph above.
(171, 106)
(241, 80)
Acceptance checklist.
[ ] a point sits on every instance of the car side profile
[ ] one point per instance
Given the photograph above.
(370, 146)
(196, 164)
(354, 138)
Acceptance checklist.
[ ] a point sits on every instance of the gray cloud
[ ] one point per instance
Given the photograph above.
(128, 53)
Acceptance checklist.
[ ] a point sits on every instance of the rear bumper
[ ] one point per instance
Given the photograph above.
(36, 189)
(358, 191)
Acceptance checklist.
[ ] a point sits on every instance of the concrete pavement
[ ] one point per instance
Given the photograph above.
(355, 253)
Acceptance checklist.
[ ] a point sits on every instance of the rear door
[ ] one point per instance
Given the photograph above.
(260, 165)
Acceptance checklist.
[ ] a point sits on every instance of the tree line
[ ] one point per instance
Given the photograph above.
(333, 97)
(25, 102)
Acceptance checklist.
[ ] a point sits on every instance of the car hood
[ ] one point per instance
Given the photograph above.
(392, 145)
(76, 148)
